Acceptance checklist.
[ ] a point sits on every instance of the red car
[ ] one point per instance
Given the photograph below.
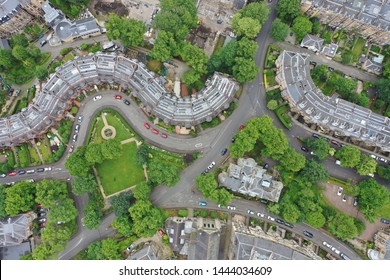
(146, 125)
(163, 135)
(155, 131)
(12, 173)
(242, 126)
(161, 232)
(118, 97)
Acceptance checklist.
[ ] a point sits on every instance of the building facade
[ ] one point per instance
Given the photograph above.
(16, 14)
(370, 18)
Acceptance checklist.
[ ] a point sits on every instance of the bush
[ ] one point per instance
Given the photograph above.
(183, 213)
(65, 51)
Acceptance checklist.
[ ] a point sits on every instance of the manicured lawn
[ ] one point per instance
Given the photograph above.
(121, 132)
(385, 212)
(23, 156)
(121, 173)
(34, 156)
(68, 57)
(358, 48)
(44, 149)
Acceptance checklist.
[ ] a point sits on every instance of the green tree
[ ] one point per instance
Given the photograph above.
(314, 172)
(93, 153)
(229, 54)
(77, 164)
(195, 57)
(245, 26)
(123, 225)
(93, 214)
(316, 25)
(290, 212)
(33, 51)
(106, 249)
(386, 70)
(57, 236)
(42, 252)
(49, 192)
(279, 30)
(246, 48)
(349, 156)
(320, 147)
(121, 203)
(384, 172)
(41, 72)
(165, 47)
(315, 219)
(258, 11)
(112, 149)
(301, 27)
(142, 191)
(64, 211)
(147, 219)
(163, 172)
(272, 104)
(274, 208)
(383, 86)
(6, 58)
(129, 31)
(85, 184)
(288, 9)
(191, 77)
(372, 197)
(19, 198)
(367, 165)
(20, 53)
(19, 40)
(206, 184)
(142, 155)
(291, 160)
(3, 213)
(342, 226)
(245, 70)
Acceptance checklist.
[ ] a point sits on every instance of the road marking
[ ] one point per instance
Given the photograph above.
(198, 145)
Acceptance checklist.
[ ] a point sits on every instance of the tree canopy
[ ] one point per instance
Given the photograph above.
(195, 57)
(130, 31)
(320, 147)
(367, 165)
(20, 198)
(342, 226)
(349, 156)
(121, 203)
(302, 26)
(77, 164)
(3, 213)
(112, 149)
(372, 197)
(288, 9)
(106, 249)
(49, 192)
(208, 186)
(64, 211)
(165, 47)
(245, 26)
(147, 219)
(314, 172)
(258, 11)
(93, 214)
(279, 30)
(93, 153)
(86, 184)
(162, 172)
(142, 191)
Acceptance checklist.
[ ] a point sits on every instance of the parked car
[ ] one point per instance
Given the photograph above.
(355, 202)
(279, 221)
(3, 175)
(315, 135)
(130, 247)
(42, 220)
(339, 191)
(330, 69)
(224, 151)
(265, 166)
(127, 102)
(383, 160)
(334, 249)
(155, 131)
(30, 171)
(233, 140)
(251, 212)
(334, 142)
(212, 164)
(261, 215)
(242, 127)
(264, 201)
(40, 169)
(163, 135)
(75, 137)
(326, 244)
(338, 162)
(43, 43)
(344, 198)
(161, 232)
(288, 225)
(344, 256)
(231, 207)
(80, 119)
(22, 172)
(305, 149)
(118, 97)
(97, 97)
(308, 234)
(77, 128)
(370, 175)
(146, 125)
(374, 157)
(202, 203)
(271, 218)
(47, 168)
(71, 148)
(12, 173)
(383, 220)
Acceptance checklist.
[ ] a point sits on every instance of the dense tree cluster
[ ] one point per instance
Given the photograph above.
(288, 9)
(208, 186)
(320, 147)
(163, 172)
(279, 30)
(129, 31)
(372, 197)
(106, 249)
(301, 27)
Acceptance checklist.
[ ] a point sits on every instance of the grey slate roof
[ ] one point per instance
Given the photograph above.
(14, 230)
(51, 14)
(62, 87)
(147, 253)
(4, 44)
(330, 49)
(312, 42)
(346, 118)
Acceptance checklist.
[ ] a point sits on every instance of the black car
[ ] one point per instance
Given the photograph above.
(265, 166)
(40, 169)
(127, 102)
(305, 149)
(264, 201)
(21, 172)
(308, 234)
(330, 69)
(280, 221)
(387, 222)
(315, 135)
(233, 139)
(288, 225)
(224, 151)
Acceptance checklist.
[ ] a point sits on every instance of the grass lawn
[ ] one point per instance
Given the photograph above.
(23, 155)
(220, 42)
(385, 212)
(155, 66)
(121, 132)
(175, 159)
(358, 48)
(68, 57)
(270, 77)
(34, 156)
(97, 135)
(121, 173)
(44, 149)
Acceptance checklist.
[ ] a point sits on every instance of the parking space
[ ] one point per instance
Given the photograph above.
(141, 9)
(330, 192)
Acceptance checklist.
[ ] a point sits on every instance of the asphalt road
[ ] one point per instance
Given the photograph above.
(209, 143)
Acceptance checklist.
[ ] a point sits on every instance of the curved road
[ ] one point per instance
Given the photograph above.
(209, 143)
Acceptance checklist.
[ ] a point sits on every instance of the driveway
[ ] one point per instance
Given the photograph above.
(330, 192)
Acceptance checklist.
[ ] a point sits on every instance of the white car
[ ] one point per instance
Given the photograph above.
(271, 218)
(261, 215)
(339, 191)
(211, 165)
(251, 212)
(335, 250)
(326, 244)
(383, 160)
(371, 175)
(338, 162)
(97, 97)
(374, 157)
(47, 168)
(230, 207)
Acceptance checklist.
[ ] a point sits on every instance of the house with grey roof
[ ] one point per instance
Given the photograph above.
(205, 240)
(57, 94)
(147, 253)
(312, 43)
(330, 49)
(178, 230)
(248, 178)
(14, 230)
(252, 243)
(329, 113)
(372, 66)
(51, 15)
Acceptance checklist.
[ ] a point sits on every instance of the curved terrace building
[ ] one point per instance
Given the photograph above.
(329, 113)
(57, 95)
